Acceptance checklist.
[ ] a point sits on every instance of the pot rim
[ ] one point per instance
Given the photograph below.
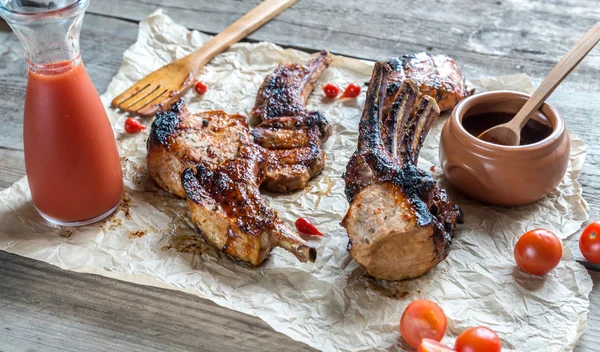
(558, 124)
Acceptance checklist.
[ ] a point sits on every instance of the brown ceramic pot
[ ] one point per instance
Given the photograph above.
(502, 175)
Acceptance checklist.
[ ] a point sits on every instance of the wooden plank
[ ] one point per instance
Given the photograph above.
(589, 340)
(47, 309)
(479, 44)
(486, 44)
(12, 167)
(489, 39)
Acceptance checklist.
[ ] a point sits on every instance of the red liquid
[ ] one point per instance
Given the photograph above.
(73, 166)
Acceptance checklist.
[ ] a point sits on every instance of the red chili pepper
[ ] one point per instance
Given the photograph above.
(200, 87)
(133, 126)
(331, 90)
(304, 226)
(352, 91)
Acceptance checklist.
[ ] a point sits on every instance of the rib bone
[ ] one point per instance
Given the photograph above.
(399, 223)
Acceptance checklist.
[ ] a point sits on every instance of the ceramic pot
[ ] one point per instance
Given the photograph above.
(503, 175)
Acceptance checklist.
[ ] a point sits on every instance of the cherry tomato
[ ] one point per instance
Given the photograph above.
(429, 345)
(589, 242)
(538, 252)
(331, 90)
(352, 91)
(304, 226)
(133, 126)
(200, 87)
(478, 339)
(423, 319)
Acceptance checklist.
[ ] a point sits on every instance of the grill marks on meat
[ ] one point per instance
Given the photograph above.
(179, 139)
(230, 213)
(210, 159)
(291, 133)
(399, 223)
(285, 91)
(436, 76)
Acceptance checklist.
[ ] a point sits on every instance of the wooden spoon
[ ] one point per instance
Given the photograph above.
(510, 133)
(164, 86)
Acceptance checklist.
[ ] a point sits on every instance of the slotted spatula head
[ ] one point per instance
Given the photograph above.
(159, 89)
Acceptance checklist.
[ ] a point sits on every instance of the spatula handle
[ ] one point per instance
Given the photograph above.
(558, 73)
(238, 31)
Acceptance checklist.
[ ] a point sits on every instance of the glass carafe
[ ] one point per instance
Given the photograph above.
(71, 158)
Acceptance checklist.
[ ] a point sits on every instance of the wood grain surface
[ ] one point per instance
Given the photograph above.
(43, 308)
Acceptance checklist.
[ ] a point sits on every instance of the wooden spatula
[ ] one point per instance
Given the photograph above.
(165, 85)
(510, 133)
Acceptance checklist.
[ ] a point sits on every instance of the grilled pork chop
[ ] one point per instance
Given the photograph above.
(292, 134)
(179, 139)
(399, 223)
(210, 159)
(436, 76)
(229, 212)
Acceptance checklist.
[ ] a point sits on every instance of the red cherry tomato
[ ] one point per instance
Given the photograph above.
(423, 319)
(589, 242)
(478, 339)
(538, 252)
(428, 345)
(304, 226)
(352, 91)
(200, 87)
(331, 90)
(133, 126)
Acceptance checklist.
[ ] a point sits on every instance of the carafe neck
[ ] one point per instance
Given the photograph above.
(48, 30)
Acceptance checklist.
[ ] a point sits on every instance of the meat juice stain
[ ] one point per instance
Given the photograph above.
(533, 132)
(134, 234)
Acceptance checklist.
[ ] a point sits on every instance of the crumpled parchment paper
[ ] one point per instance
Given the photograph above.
(331, 304)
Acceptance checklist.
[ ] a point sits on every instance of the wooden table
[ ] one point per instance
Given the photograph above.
(43, 308)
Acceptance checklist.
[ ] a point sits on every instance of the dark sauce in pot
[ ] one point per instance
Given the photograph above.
(533, 132)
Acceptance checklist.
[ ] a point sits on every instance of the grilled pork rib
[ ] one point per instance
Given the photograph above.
(436, 76)
(179, 139)
(292, 134)
(399, 223)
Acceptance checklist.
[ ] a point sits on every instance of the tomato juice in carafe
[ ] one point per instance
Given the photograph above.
(71, 158)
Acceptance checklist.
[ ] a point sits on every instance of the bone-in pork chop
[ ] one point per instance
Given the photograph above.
(210, 159)
(230, 213)
(291, 133)
(179, 139)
